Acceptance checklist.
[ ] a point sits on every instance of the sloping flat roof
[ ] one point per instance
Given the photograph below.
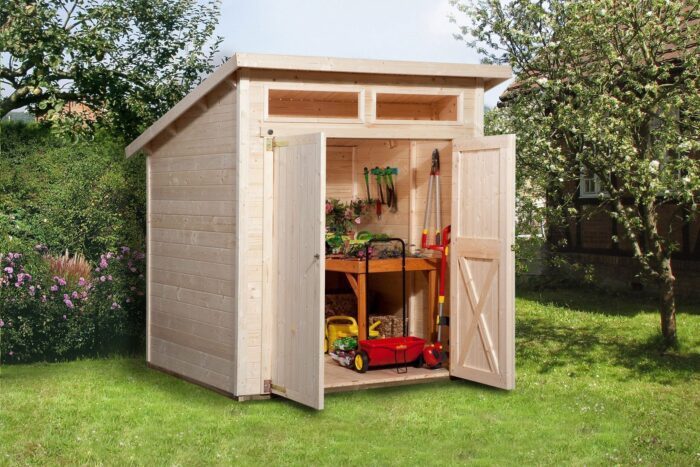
(491, 74)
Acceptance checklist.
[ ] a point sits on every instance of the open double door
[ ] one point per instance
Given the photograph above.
(482, 313)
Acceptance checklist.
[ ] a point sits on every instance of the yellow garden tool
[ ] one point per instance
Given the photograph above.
(344, 326)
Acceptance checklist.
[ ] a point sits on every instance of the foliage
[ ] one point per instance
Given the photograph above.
(588, 392)
(82, 197)
(611, 88)
(342, 217)
(127, 60)
(52, 317)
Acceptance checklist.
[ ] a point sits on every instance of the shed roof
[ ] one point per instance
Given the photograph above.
(491, 74)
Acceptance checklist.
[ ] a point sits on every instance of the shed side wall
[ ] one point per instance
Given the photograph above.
(192, 186)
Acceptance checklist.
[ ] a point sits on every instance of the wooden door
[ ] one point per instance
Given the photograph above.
(298, 260)
(482, 269)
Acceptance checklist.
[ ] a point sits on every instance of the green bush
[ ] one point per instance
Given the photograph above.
(82, 197)
(45, 317)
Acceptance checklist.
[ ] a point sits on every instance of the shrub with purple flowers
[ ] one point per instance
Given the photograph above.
(50, 317)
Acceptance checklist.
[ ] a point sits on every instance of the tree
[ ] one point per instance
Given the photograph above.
(611, 87)
(127, 60)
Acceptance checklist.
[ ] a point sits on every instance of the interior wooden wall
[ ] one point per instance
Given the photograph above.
(191, 243)
(413, 159)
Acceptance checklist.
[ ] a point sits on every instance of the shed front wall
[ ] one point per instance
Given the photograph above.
(254, 342)
(192, 243)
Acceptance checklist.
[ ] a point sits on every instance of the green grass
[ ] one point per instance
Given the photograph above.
(592, 388)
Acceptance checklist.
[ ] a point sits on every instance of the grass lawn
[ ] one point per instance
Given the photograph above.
(591, 389)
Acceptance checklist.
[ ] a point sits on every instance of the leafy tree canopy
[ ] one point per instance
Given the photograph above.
(610, 87)
(128, 60)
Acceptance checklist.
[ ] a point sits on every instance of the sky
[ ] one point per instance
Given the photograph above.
(380, 29)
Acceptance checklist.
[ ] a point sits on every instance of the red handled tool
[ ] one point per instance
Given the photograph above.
(433, 354)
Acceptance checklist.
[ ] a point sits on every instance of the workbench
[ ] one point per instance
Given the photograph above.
(355, 272)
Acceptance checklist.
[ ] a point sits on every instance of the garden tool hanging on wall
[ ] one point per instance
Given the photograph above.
(433, 183)
(377, 172)
(369, 195)
(393, 200)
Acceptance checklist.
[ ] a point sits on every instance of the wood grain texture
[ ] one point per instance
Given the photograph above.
(482, 322)
(191, 244)
(298, 238)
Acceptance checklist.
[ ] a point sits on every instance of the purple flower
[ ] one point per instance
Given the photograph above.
(103, 263)
(54, 288)
(65, 296)
(109, 277)
(43, 299)
(132, 269)
(32, 290)
(81, 282)
(11, 353)
(74, 295)
(68, 303)
(2, 323)
(9, 270)
(103, 278)
(115, 305)
(64, 317)
(97, 269)
(125, 249)
(61, 281)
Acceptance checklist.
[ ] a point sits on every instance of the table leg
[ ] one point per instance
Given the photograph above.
(362, 306)
(432, 302)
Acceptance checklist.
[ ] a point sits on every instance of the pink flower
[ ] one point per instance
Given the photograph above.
(68, 303)
(54, 288)
(103, 278)
(43, 299)
(11, 353)
(125, 249)
(358, 220)
(65, 296)
(115, 305)
(103, 263)
(109, 277)
(97, 269)
(32, 290)
(2, 323)
(64, 317)
(329, 208)
(74, 295)
(9, 270)
(61, 281)
(81, 281)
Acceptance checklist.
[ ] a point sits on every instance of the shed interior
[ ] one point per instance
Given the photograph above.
(345, 181)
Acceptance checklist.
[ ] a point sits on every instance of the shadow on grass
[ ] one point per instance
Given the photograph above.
(591, 300)
(551, 345)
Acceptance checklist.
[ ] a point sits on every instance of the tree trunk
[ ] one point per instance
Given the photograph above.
(667, 304)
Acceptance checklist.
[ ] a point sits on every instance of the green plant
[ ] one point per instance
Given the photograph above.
(58, 317)
(342, 217)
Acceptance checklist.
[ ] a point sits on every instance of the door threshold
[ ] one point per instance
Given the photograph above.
(339, 379)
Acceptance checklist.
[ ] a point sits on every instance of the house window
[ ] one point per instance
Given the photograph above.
(590, 186)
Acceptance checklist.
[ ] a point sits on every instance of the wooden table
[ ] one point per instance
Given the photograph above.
(355, 273)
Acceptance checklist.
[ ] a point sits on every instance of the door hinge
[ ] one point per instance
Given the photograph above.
(269, 144)
(279, 144)
(267, 386)
(277, 388)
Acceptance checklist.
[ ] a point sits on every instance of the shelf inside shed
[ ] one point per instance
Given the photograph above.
(313, 104)
(431, 107)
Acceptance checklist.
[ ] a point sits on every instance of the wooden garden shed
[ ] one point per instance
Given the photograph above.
(238, 174)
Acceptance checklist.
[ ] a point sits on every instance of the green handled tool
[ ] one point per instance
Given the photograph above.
(369, 196)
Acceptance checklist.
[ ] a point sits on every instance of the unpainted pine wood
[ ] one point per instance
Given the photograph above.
(340, 179)
(191, 237)
(339, 379)
(299, 285)
(482, 322)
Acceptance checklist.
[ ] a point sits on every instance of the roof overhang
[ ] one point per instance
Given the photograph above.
(491, 75)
